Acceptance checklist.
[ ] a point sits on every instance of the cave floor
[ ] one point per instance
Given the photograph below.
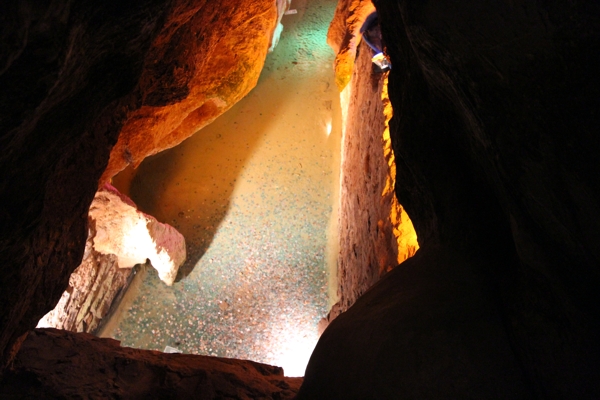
(255, 195)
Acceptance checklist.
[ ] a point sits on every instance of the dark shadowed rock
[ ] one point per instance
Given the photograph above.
(59, 364)
(495, 109)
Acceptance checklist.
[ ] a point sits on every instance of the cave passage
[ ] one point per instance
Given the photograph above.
(255, 194)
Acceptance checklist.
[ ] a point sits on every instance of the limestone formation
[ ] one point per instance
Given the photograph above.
(133, 237)
(202, 61)
(93, 287)
(119, 237)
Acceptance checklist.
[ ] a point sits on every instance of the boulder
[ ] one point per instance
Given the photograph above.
(133, 237)
(206, 57)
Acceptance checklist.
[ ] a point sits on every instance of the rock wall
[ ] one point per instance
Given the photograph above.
(205, 58)
(57, 364)
(75, 78)
(495, 111)
(370, 218)
(344, 36)
(93, 287)
(119, 237)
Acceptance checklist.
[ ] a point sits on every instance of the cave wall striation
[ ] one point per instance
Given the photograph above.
(93, 287)
(119, 238)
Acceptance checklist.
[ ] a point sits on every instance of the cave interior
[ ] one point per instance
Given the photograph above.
(490, 150)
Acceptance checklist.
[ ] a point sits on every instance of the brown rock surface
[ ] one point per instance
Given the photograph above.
(370, 218)
(207, 57)
(58, 364)
(344, 36)
(133, 236)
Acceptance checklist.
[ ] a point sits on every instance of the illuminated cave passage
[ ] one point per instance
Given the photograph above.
(254, 195)
(271, 261)
(493, 136)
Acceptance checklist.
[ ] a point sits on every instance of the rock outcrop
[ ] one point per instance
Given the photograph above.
(93, 287)
(207, 57)
(57, 364)
(374, 234)
(344, 36)
(119, 237)
(133, 237)
(496, 106)
(75, 79)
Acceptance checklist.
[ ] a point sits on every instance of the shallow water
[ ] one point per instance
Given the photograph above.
(255, 195)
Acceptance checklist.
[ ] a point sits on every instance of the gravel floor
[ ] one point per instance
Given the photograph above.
(255, 195)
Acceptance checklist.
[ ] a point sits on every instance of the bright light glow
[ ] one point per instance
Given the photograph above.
(329, 128)
(291, 344)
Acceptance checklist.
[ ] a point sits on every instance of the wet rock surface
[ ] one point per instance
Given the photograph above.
(58, 364)
(494, 109)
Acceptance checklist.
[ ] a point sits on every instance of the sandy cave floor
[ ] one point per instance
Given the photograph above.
(255, 195)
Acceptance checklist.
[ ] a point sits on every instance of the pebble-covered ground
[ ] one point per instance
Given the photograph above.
(255, 195)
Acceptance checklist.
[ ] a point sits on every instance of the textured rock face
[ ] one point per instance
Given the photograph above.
(206, 58)
(369, 214)
(119, 237)
(344, 36)
(133, 236)
(93, 287)
(494, 112)
(73, 76)
(49, 367)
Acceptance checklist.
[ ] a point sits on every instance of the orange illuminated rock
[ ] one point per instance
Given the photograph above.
(375, 232)
(133, 236)
(207, 56)
(344, 36)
